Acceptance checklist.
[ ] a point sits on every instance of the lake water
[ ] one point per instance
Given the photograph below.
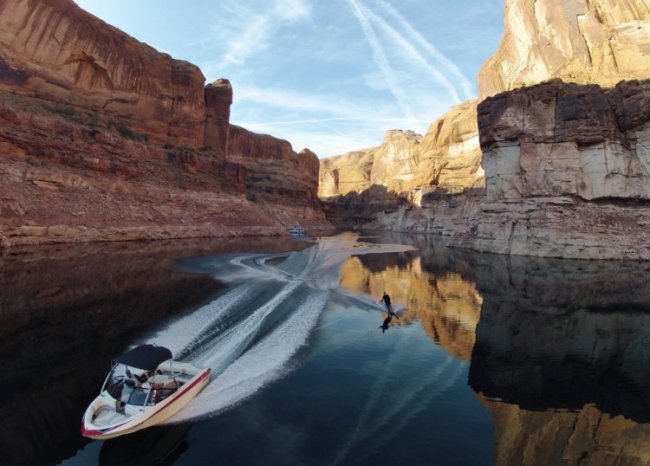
(493, 360)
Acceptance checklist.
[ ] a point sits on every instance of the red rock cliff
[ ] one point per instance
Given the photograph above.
(104, 138)
(56, 51)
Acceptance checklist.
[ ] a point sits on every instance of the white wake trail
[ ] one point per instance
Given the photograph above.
(227, 347)
(266, 361)
(183, 332)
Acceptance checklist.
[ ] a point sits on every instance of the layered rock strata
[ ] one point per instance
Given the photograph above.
(104, 138)
(410, 165)
(404, 170)
(582, 41)
(567, 170)
(56, 51)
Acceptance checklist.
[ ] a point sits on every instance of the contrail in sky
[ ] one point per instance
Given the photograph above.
(328, 120)
(430, 48)
(416, 56)
(380, 58)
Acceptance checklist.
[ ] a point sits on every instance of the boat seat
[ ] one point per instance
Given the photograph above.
(163, 382)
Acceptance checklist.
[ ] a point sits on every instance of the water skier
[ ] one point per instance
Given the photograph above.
(389, 307)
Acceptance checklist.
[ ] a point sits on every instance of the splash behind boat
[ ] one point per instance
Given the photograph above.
(144, 387)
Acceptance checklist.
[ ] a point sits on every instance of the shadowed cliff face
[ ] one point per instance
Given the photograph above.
(567, 171)
(65, 313)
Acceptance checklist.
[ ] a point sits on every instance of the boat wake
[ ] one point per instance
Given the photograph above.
(250, 334)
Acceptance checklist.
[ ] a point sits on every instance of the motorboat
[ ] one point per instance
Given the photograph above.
(296, 230)
(144, 387)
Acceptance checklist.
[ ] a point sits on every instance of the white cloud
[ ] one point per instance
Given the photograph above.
(249, 29)
(295, 101)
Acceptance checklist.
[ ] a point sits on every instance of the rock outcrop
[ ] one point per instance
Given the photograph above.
(404, 170)
(56, 51)
(557, 139)
(567, 170)
(410, 165)
(104, 138)
(582, 41)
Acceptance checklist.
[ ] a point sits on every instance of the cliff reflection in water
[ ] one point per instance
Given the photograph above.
(560, 350)
(445, 303)
(564, 346)
(65, 311)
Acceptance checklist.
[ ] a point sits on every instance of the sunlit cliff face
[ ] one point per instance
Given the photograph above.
(447, 306)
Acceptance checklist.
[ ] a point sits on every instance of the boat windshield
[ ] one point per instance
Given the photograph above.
(131, 387)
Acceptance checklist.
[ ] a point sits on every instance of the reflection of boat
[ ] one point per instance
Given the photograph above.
(144, 387)
(296, 230)
(158, 445)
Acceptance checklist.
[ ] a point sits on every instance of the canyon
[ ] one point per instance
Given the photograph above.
(104, 138)
(551, 160)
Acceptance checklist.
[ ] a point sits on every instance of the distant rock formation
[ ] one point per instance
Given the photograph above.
(448, 156)
(582, 41)
(104, 138)
(404, 170)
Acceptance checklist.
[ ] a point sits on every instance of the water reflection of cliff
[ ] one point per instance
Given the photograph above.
(446, 304)
(560, 350)
(65, 311)
(562, 360)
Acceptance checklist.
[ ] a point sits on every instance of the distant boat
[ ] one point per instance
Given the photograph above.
(144, 387)
(296, 230)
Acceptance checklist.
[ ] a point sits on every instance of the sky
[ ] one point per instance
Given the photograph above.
(329, 75)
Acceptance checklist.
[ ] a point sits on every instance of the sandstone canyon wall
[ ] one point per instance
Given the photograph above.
(568, 171)
(404, 171)
(104, 138)
(566, 165)
(582, 41)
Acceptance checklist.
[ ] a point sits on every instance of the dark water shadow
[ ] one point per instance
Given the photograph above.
(557, 334)
(154, 446)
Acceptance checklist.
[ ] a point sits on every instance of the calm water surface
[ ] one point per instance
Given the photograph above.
(493, 360)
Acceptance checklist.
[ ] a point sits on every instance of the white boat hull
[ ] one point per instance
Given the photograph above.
(113, 423)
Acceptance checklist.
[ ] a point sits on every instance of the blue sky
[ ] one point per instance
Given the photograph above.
(330, 75)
